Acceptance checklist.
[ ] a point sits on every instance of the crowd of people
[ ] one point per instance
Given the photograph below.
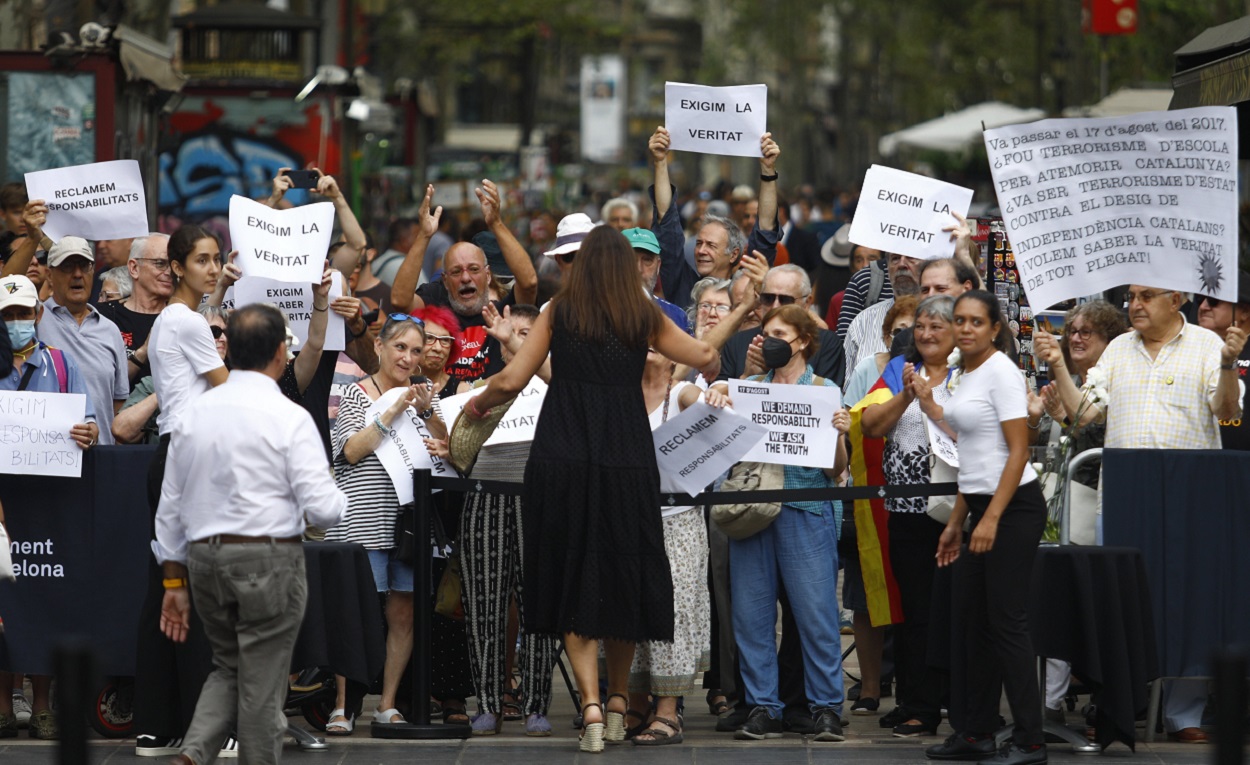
(588, 557)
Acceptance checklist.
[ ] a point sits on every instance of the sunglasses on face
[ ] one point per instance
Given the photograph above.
(1210, 301)
(772, 298)
(566, 257)
(217, 331)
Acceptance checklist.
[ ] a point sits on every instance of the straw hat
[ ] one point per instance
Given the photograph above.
(468, 435)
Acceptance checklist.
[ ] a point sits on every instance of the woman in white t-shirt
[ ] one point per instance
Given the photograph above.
(185, 363)
(988, 411)
(666, 670)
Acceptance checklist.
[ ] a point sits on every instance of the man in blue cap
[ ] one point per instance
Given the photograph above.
(647, 248)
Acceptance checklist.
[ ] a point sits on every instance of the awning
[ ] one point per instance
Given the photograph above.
(1213, 69)
(958, 131)
(1125, 101)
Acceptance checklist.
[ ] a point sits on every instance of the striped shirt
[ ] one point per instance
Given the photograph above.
(857, 295)
(372, 504)
(864, 337)
(1165, 402)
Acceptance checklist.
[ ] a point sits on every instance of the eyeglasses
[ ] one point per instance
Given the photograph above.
(456, 273)
(406, 317)
(1145, 296)
(443, 340)
(109, 295)
(1213, 302)
(217, 331)
(771, 298)
(158, 264)
(717, 307)
(1084, 333)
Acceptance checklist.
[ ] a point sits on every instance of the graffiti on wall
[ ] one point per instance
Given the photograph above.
(221, 146)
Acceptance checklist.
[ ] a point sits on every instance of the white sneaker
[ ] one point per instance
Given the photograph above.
(21, 709)
(230, 749)
(151, 746)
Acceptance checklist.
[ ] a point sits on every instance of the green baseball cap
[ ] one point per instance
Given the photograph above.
(642, 239)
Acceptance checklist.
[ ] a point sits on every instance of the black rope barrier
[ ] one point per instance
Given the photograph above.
(907, 491)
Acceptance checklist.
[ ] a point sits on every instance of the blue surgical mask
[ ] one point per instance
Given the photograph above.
(21, 333)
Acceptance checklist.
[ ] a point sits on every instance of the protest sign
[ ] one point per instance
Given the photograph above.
(34, 433)
(799, 419)
(943, 446)
(403, 449)
(296, 301)
(517, 426)
(699, 444)
(283, 245)
(727, 121)
(99, 201)
(1091, 204)
(905, 213)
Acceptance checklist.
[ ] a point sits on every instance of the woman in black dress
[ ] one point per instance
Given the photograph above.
(594, 543)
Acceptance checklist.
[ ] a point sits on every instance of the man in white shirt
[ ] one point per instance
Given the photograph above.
(245, 474)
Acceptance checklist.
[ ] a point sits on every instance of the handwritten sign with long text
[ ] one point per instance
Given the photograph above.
(34, 433)
(1150, 199)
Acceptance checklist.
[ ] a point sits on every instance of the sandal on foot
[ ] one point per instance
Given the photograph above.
(512, 707)
(640, 727)
(659, 736)
(614, 722)
(455, 713)
(591, 740)
(341, 727)
(717, 704)
(386, 717)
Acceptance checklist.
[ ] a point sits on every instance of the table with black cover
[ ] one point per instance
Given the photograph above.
(86, 574)
(1091, 607)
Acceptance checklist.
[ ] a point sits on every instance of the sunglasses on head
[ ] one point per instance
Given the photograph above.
(406, 317)
(217, 331)
(771, 298)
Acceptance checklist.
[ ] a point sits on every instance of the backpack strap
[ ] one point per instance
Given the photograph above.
(62, 373)
(875, 284)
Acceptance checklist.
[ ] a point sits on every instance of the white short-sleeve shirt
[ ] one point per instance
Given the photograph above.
(983, 399)
(181, 350)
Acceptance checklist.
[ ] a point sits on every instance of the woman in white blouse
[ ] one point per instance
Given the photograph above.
(997, 486)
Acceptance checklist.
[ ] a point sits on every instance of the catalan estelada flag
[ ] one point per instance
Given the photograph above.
(871, 517)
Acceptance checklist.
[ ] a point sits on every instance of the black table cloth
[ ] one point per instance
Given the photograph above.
(342, 626)
(1091, 607)
(1186, 511)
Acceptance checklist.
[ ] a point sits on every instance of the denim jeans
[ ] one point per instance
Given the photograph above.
(799, 552)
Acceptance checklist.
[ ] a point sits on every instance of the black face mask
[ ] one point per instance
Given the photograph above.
(777, 352)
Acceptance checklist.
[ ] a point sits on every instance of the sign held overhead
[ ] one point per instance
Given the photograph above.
(727, 121)
(99, 201)
(283, 245)
(905, 213)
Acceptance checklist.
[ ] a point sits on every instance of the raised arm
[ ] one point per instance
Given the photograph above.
(525, 288)
(310, 355)
(675, 344)
(767, 219)
(1227, 402)
(347, 257)
(34, 216)
(404, 290)
(657, 146)
(756, 267)
(230, 273)
(507, 383)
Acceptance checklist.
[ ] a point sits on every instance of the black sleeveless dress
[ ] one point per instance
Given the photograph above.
(594, 540)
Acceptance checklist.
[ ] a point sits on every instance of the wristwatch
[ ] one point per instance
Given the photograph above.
(426, 414)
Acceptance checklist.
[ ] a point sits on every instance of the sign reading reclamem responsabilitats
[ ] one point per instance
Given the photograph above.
(727, 121)
(905, 213)
(98, 201)
(34, 433)
(403, 449)
(1150, 199)
(283, 245)
(696, 446)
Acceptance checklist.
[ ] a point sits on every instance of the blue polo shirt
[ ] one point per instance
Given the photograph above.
(44, 379)
(97, 346)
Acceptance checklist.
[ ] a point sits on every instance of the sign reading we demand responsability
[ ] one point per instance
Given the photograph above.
(727, 121)
(98, 201)
(283, 245)
(1149, 199)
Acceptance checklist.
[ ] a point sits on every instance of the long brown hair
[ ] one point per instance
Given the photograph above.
(602, 294)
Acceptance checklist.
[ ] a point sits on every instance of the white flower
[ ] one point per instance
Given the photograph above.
(955, 378)
(1095, 378)
(1063, 441)
(1100, 395)
(955, 360)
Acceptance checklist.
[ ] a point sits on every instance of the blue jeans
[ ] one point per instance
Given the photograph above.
(798, 551)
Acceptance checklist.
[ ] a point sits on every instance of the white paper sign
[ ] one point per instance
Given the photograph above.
(296, 301)
(604, 90)
(34, 433)
(403, 450)
(905, 213)
(1150, 199)
(727, 121)
(100, 201)
(944, 447)
(699, 444)
(799, 419)
(517, 426)
(283, 245)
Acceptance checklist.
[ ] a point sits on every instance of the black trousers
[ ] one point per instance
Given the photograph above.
(168, 675)
(913, 543)
(991, 600)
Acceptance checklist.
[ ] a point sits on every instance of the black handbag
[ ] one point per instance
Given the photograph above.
(405, 550)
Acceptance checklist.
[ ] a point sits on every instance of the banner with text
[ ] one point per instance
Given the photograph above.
(517, 426)
(283, 245)
(1148, 199)
(699, 444)
(403, 450)
(296, 301)
(34, 433)
(799, 419)
(905, 213)
(727, 121)
(99, 201)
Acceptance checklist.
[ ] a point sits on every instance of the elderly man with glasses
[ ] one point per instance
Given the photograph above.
(1169, 385)
(134, 316)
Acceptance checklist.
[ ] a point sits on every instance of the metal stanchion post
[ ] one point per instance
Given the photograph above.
(74, 668)
(420, 727)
